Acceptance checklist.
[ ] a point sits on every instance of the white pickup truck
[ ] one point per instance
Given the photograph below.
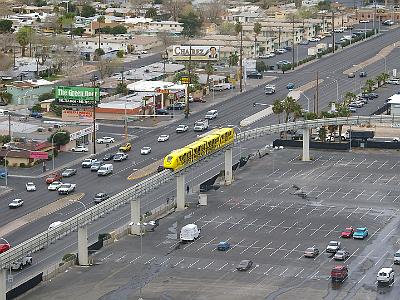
(269, 89)
(66, 188)
(18, 265)
(200, 125)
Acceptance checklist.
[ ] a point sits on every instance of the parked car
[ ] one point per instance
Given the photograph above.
(385, 276)
(145, 150)
(394, 81)
(333, 247)
(223, 246)
(266, 56)
(347, 233)
(36, 115)
(341, 255)
(108, 157)
(30, 187)
(105, 140)
(68, 172)
(339, 273)
(244, 265)
(125, 148)
(364, 21)
(182, 128)
(199, 99)
(396, 258)
(54, 186)
(100, 197)
(176, 106)
(351, 75)
(280, 51)
(163, 138)
(53, 177)
(162, 112)
(311, 252)
(254, 75)
(120, 156)
(80, 148)
(360, 233)
(16, 203)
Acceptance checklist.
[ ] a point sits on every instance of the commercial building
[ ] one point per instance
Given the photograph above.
(27, 92)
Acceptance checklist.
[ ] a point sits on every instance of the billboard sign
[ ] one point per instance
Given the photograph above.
(77, 94)
(38, 155)
(77, 116)
(198, 53)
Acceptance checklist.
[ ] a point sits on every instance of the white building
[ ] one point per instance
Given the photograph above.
(394, 104)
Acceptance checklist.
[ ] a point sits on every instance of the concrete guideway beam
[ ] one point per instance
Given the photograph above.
(180, 192)
(3, 284)
(228, 166)
(306, 145)
(135, 216)
(83, 256)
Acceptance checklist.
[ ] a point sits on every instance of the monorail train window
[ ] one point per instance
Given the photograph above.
(169, 158)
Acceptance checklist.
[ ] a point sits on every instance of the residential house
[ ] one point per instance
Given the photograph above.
(27, 92)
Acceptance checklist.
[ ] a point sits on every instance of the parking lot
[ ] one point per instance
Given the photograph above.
(266, 219)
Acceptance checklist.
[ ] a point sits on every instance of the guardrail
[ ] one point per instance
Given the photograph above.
(47, 237)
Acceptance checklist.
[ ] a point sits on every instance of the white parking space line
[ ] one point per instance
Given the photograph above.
(311, 211)
(276, 226)
(222, 267)
(287, 207)
(209, 221)
(248, 247)
(291, 251)
(208, 265)
(304, 206)
(394, 214)
(339, 211)
(290, 227)
(200, 218)
(350, 161)
(283, 272)
(263, 248)
(378, 179)
(358, 174)
(378, 215)
(191, 244)
(255, 267)
(237, 204)
(283, 174)
(247, 205)
(249, 224)
(224, 203)
(149, 261)
(324, 212)
(337, 191)
(235, 245)
(381, 258)
(267, 272)
(121, 258)
(374, 233)
(295, 174)
(308, 193)
(380, 200)
(338, 161)
(263, 205)
(386, 236)
(352, 254)
(353, 212)
(372, 195)
(366, 178)
(284, 190)
(165, 260)
(274, 206)
(304, 228)
(393, 177)
(330, 231)
(278, 249)
(263, 187)
(366, 213)
(396, 198)
(250, 187)
(342, 177)
(206, 244)
(262, 226)
(298, 273)
(132, 261)
(175, 265)
(362, 278)
(360, 163)
(371, 164)
(322, 192)
(382, 165)
(329, 178)
(236, 223)
(270, 174)
(318, 229)
(275, 188)
(392, 167)
(361, 194)
(192, 264)
(223, 222)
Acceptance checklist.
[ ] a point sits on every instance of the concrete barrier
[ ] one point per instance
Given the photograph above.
(257, 116)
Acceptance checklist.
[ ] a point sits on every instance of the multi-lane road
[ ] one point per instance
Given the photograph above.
(231, 112)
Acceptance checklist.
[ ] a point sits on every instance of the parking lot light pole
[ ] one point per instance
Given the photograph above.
(52, 145)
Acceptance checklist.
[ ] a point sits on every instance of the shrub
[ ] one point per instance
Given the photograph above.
(104, 236)
(69, 257)
(22, 165)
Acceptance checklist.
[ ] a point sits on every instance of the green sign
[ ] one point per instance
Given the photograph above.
(77, 94)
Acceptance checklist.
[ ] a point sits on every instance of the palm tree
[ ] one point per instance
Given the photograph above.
(289, 106)
(342, 111)
(385, 76)
(277, 109)
(349, 97)
(209, 71)
(257, 30)
(100, 20)
(379, 80)
(369, 85)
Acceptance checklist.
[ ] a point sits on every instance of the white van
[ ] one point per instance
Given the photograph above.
(105, 170)
(4, 112)
(211, 114)
(396, 258)
(385, 275)
(189, 233)
(54, 224)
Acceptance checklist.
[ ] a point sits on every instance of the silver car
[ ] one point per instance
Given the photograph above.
(341, 255)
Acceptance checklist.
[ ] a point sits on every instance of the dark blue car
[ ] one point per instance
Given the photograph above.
(223, 246)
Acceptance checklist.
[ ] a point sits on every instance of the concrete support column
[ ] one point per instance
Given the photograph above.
(3, 284)
(306, 145)
(228, 166)
(180, 192)
(135, 216)
(83, 256)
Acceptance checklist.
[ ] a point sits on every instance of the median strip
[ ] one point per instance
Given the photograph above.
(146, 171)
(40, 213)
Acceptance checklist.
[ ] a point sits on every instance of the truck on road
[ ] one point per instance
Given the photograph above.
(358, 134)
(66, 188)
(201, 125)
(269, 89)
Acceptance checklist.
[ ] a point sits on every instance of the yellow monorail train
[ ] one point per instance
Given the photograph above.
(218, 139)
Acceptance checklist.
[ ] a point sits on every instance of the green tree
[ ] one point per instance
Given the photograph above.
(151, 12)
(349, 97)
(257, 30)
(209, 71)
(227, 28)
(5, 97)
(24, 37)
(310, 115)
(5, 26)
(370, 85)
(322, 133)
(46, 96)
(39, 3)
(324, 5)
(233, 59)
(78, 31)
(278, 109)
(36, 108)
(238, 28)
(191, 24)
(120, 53)
(56, 108)
(261, 66)
(88, 11)
(121, 88)
(342, 111)
(194, 79)
(291, 107)
(61, 137)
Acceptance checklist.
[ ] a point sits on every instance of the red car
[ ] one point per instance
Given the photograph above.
(347, 233)
(53, 177)
(339, 273)
(4, 247)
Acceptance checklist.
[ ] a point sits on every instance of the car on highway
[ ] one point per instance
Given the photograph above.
(66, 188)
(30, 187)
(54, 224)
(79, 148)
(347, 233)
(255, 75)
(162, 112)
(100, 197)
(363, 74)
(360, 233)
(290, 86)
(370, 95)
(19, 264)
(388, 23)
(311, 252)
(163, 138)
(211, 114)
(181, 128)
(16, 203)
(396, 257)
(108, 157)
(4, 247)
(120, 156)
(54, 185)
(363, 21)
(333, 247)
(105, 140)
(266, 56)
(223, 246)
(352, 109)
(96, 166)
(244, 265)
(385, 276)
(87, 163)
(145, 150)
(53, 177)
(351, 75)
(280, 51)
(68, 172)
(125, 148)
(341, 255)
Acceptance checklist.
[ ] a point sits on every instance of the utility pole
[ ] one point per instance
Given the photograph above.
(9, 125)
(279, 37)
(94, 114)
(241, 59)
(317, 94)
(293, 43)
(187, 86)
(333, 31)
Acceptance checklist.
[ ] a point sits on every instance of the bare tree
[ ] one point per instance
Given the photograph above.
(166, 38)
(175, 7)
(211, 11)
(106, 67)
